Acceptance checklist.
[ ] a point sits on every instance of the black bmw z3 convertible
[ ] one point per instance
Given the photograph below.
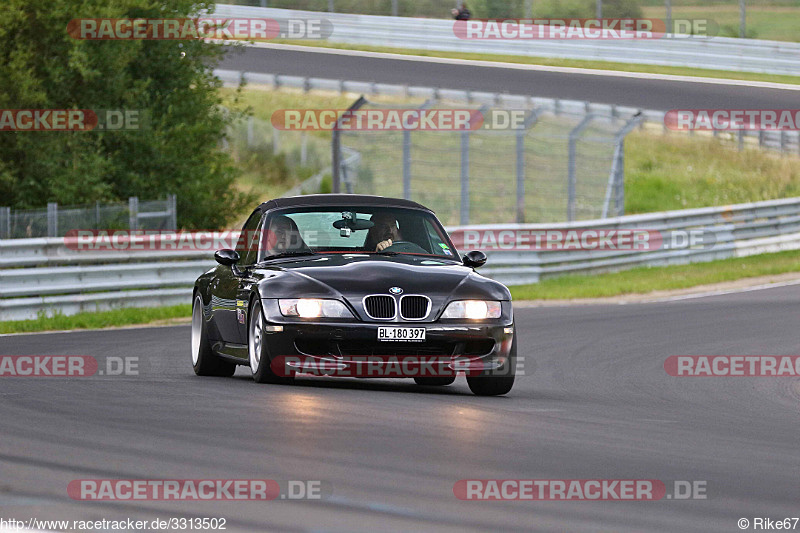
(357, 286)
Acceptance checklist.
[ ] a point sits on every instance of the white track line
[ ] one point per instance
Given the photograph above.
(721, 292)
(522, 66)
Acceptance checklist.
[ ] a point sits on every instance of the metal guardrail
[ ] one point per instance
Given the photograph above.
(782, 141)
(76, 281)
(716, 53)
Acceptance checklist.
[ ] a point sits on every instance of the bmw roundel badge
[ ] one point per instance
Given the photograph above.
(396, 290)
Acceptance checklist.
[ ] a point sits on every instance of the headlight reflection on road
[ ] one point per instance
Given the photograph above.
(467, 425)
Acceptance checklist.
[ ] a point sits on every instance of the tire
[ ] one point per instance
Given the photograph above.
(204, 361)
(435, 382)
(494, 384)
(257, 348)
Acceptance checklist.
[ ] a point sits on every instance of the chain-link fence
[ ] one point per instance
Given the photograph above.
(57, 221)
(554, 166)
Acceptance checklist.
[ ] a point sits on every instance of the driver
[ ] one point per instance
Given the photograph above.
(383, 233)
(282, 236)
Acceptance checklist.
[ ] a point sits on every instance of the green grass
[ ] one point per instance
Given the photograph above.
(774, 23)
(94, 320)
(665, 172)
(647, 279)
(555, 62)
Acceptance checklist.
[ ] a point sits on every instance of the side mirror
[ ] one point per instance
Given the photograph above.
(227, 257)
(474, 259)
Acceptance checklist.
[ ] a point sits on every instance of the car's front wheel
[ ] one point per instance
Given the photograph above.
(499, 381)
(256, 348)
(204, 361)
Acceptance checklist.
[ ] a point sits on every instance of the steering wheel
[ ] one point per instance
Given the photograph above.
(405, 246)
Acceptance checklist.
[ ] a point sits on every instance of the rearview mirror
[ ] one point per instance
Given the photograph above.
(227, 257)
(474, 259)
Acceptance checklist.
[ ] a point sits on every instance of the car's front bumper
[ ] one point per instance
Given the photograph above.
(352, 348)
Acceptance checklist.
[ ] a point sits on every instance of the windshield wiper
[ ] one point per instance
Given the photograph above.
(292, 253)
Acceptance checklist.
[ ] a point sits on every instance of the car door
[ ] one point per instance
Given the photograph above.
(224, 291)
(246, 280)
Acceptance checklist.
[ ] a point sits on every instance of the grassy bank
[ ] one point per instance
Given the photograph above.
(647, 279)
(96, 320)
(665, 172)
(773, 23)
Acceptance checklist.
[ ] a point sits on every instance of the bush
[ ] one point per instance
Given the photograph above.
(170, 82)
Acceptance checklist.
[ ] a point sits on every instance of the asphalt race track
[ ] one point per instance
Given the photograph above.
(621, 90)
(596, 403)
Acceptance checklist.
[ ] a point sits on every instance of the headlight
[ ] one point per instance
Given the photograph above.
(473, 309)
(314, 308)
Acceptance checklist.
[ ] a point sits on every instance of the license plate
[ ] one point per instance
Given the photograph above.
(401, 334)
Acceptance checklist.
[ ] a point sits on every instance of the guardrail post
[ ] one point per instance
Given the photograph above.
(52, 219)
(740, 136)
(250, 133)
(529, 121)
(571, 165)
(742, 20)
(668, 6)
(330, 6)
(521, 176)
(464, 219)
(5, 222)
(173, 211)
(619, 181)
(276, 140)
(394, 8)
(407, 164)
(303, 148)
(336, 159)
(133, 212)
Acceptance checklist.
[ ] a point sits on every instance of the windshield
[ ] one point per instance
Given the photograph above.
(375, 230)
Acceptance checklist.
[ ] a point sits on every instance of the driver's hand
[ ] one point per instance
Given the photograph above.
(383, 245)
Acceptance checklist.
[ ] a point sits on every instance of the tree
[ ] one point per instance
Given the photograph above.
(171, 82)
